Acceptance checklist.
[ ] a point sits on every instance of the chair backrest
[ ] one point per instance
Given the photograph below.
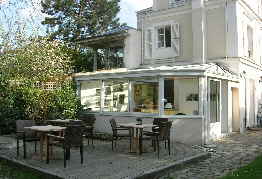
(74, 135)
(158, 120)
(88, 119)
(114, 126)
(164, 130)
(21, 124)
(74, 122)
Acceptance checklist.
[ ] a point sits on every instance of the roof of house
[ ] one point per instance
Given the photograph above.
(210, 69)
(110, 38)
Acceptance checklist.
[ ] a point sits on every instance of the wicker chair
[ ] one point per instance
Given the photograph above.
(160, 133)
(158, 120)
(88, 122)
(25, 135)
(117, 135)
(73, 137)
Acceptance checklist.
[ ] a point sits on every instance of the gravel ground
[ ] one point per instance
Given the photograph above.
(227, 155)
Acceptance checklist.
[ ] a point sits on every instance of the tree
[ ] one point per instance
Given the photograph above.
(75, 19)
(38, 60)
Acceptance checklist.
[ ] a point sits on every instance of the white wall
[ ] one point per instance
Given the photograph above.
(216, 35)
(187, 131)
(132, 49)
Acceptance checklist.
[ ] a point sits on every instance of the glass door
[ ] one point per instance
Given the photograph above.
(214, 101)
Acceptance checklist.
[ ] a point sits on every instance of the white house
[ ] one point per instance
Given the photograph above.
(197, 62)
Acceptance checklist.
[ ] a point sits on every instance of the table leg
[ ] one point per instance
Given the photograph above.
(42, 140)
(140, 141)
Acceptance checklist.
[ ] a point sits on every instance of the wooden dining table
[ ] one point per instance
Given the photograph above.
(63, 122)
(137, 135)
(42, 131)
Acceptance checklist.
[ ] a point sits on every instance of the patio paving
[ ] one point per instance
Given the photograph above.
(100, 161)
(226, 155)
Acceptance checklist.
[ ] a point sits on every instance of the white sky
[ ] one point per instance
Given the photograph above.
(129, 8)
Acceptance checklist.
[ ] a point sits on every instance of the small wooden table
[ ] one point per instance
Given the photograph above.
(137, 133)
(42, 131)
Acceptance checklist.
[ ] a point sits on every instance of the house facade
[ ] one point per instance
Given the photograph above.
(196, 62)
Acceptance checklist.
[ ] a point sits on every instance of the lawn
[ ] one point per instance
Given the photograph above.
(252, 170)
(8, 171)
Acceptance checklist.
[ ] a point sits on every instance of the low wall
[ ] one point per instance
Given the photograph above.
(188, 131)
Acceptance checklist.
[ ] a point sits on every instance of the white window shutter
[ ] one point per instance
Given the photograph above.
(176, 39)
(148, 42)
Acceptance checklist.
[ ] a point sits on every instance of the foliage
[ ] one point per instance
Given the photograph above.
(71, 20)
(66, 104)
(82, 60)
(252, 170)
(38, 60)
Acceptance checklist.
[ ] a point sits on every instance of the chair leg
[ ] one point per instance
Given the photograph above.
(24, 145)
(154, 143)
(157, 143)
(169, 146)
(130, 144)
(65, 156)
(47, 151)
(68, 151)
(35, 145)
(17, 147)
(92, 139)
(81, 154)
(112, 144)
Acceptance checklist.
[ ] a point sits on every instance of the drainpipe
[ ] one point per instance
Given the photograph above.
(245, 119)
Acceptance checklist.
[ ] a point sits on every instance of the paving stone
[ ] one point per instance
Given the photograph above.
(227, 155)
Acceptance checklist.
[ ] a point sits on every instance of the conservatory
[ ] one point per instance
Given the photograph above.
(189, 92)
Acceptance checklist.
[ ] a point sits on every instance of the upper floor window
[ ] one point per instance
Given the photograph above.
(250, 41)
(176, 3)
(164, 36)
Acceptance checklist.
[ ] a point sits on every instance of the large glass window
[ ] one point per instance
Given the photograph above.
(181, 96)
(145, 96)
(90, 95)
(116, 96)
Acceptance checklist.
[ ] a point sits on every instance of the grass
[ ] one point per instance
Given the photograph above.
(7, 171)
(252, 170)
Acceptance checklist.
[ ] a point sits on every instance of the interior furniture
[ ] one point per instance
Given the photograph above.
(25, 135)
(73, 137)
(118, 133)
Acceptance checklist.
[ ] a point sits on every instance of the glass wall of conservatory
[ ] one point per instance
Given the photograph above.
(180, 96)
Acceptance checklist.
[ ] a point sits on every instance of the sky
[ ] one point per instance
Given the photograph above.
(32, 16)
(129, 8)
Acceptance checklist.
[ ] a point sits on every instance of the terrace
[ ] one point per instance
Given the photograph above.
(101, 162)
